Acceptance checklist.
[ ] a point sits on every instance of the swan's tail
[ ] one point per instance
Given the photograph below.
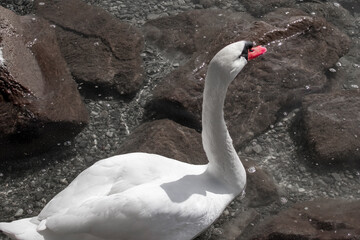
(23, 229)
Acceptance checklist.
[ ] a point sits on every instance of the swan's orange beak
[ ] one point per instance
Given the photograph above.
(256, 51)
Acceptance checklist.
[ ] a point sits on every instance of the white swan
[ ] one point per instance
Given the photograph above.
(142, 196)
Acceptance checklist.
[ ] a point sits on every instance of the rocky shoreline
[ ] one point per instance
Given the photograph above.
(289, 177)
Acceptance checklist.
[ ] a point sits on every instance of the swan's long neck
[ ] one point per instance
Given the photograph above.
(224, 162)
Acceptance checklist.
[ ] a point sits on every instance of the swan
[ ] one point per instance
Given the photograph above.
(141, 196)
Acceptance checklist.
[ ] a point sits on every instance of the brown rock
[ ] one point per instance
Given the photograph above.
(193, 31)
(300, 49)
(261, 189)
(331, 124)
(99, 49)
(259, 8)
(166, 138)
(237, 225)
(39, 102)
(326, 219)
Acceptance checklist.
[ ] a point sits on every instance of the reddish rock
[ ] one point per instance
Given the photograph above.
(324, 219)
(166, 138)
(39, 102)
(331, 124)
(99, 49)
(300, 50)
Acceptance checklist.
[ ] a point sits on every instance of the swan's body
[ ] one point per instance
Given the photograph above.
(145, 196)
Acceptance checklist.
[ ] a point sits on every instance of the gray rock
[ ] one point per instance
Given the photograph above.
(19, 212)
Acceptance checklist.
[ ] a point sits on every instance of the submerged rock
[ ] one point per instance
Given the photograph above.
(100, 50)
(166, 138)
(39, 102)
(323, 219)
(261, 189)
(331, 122)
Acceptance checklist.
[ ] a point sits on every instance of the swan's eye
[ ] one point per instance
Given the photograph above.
(251, 50)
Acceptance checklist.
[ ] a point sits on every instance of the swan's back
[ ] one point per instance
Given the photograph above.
(114, 175)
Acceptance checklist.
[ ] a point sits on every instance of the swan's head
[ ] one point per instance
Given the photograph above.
(230, 60)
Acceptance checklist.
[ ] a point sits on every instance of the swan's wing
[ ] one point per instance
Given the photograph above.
(144, 211)
(114, 175)
(98, 180)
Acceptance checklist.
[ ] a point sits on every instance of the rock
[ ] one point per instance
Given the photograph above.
(333, 13)
(351, 6)
(99, 49)
(261, 189)
(39, 102)
(236, 226)
(19, 212)
(186, 33)
(331, 126)
(323, 219)
(298, 45)
(166, 138)
(259, 8)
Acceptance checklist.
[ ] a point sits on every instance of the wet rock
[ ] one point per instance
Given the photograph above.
(323, 219)
(21, 7)
(331, 124)
(334, 13)
(259, 8)
(298, 45)
(99, 49)
(166, 138)
(261, 189)
(186, 33)
(39, 102)
(19, 212)
(351, 6)
(236, 226)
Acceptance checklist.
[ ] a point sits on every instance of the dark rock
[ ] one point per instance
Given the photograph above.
(193, 31)
(331, 125)
(99, 49)
(168, 139)
(323, 219)
(351, 6)
(259, 8)
(39, 102)
(334, 13)
(236, 226)
(298, 46)
(261, 189)
(207, 3)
